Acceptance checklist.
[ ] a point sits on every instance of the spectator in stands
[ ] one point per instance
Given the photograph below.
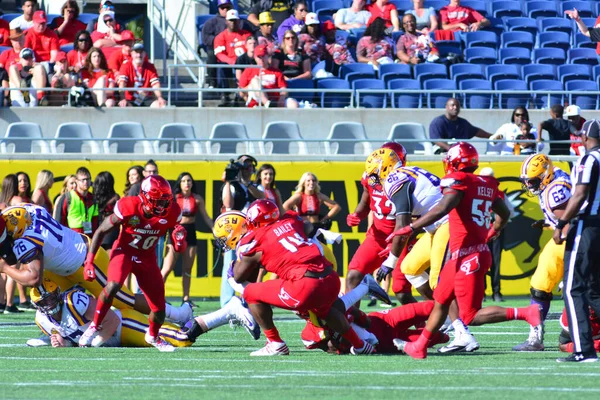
(69, 183)
(558, 129)
(387, 12)
(5, 85)
(525, 148)
(355, 17)
(247, 58)
(573, 114)
(77, 209)
(312, 41)
(375, 46)
(60, 78)
(460, 19)
(105, 197)
(210, 30)
(43, 183)
(265, 34)
(104, 5)
(337, 50)
(29, 77)
(67, 26)
(280, 11)
(426, 18)
(140, 74)
(229, 45)
(24, 186)
(267, 77)
(290, 59)
(108, 32)
(265, 181)
(510, 130)
(294, 22)
(451, 126)
(4, 33)
(81, 47)
(97, 75)
(133, 177)
(10, 56)
(414, 47)
(123, 55)
(42, 39)
(25, 21)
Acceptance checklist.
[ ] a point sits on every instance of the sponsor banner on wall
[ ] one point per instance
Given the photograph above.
(341, 182)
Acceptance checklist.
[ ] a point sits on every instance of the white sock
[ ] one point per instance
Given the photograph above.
(354, 296)
(460, 327)
(215, 319)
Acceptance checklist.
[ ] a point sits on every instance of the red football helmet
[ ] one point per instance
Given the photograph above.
(262, 212)
(156, 195)
(398, 149)
(460, 157)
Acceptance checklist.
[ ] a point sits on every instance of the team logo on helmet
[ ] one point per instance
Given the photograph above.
(537, 172)
(17, 220)
(229, 228)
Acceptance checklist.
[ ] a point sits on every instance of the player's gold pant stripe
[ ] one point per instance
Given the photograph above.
(550, 268)
(81, 320)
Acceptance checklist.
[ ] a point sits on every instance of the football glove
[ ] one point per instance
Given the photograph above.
(405, 231)
(178, 239)
(387, 267)
(353, 219)
(89, 271)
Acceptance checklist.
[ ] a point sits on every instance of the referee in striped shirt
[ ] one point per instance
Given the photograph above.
(582, 251)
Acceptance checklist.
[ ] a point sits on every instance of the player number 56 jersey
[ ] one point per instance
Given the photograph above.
(557, 193)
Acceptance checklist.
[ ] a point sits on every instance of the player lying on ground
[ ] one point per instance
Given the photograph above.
(46, 249)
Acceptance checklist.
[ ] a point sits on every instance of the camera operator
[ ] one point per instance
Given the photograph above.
(238, 192)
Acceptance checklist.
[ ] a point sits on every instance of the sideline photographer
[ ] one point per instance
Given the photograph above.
(237, 193)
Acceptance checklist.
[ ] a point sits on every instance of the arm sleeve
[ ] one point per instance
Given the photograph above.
(435, 131)
(402, 199)
(208, 35)
(444, 16)
(471, 129)
(244, 81)
(586, 169)
(478, 17)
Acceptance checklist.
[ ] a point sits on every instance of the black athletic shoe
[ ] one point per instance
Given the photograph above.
(580, 358)
(12, 310)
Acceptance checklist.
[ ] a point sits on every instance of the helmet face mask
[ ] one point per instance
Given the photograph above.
(537, 172)
(47, 297)
(229, 228)
(156, 195)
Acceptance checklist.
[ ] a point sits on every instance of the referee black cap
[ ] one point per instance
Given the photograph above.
(591, 129)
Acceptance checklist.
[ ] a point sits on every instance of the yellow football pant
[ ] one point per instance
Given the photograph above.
(328, 253)
(124, 298)
(550, 268)
(135, 324)
(428, 252)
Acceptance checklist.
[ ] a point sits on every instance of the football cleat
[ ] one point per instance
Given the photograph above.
(365, 350)
(464, 342)
(410, 349)
(159, 343)
(535, 341)
(89, 335)
(400, 344)
(42, 341)
(375, 290)
(579, 358)
(240, 315)
(272, 349)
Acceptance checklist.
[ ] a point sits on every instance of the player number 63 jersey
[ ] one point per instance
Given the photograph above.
(557, 193)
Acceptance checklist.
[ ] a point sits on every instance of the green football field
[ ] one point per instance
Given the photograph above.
(219, 366)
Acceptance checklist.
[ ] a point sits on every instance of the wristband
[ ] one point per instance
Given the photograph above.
(561, 224)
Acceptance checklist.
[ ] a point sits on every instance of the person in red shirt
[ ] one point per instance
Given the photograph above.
(60, 78)
(387, 12)
(82, 45)
(143, 220)
(96, 75)
(457, 19)
(468, 200)
(10, 56)
(107, 33)
(140, 74)
(29, 76)
(42, 39)
(123, 55)
(4, 33)
(573, 114)
(229, 45)
(67, 26)
(266, 77)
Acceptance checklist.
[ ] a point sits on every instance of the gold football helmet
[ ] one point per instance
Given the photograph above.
(229, 228)
(17, 220)
(380, 163)
(537, 172)
(46, 297)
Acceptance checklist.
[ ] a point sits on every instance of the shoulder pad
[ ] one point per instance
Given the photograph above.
(394, 182)
(26, 249)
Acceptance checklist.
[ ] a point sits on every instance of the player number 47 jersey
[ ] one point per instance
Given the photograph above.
(557, 193)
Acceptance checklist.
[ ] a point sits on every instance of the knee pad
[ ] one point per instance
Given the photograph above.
(418, 280)
(540, 295)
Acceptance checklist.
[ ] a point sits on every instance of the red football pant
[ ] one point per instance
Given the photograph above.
(303, 295)
(464, 279)
(146, 272)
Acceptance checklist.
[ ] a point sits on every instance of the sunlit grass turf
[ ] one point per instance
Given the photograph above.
(219, 366)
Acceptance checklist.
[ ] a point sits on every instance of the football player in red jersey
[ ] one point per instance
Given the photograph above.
(565, 341)
(307, 282)
(367, 259)
(468, 199)
(144, 219)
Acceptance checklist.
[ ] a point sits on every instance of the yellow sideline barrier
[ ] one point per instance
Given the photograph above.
(339, 180)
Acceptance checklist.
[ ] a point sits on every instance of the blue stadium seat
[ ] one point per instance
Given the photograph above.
(584, 8)
(555, 24)
(445, 47)
(405, 99)
(401, 5)
(584, 42)
(356, 67)
(369, 100)
(587, 102)
(200, 21)
(430, 71)
(481, 39)
(480, 55)
(10, 16)
(583, 56)
(517, 39)
(326, 5)
(387, 72)
(334, 100)
(501, 72)
(506, 9)
(86, 18)
(515, 55)
(353, 76)
(308, 84)
(535, 9)
(325, 15)
(596, 72)
(542, 100)
(510, 100)
(496, 25)
(569, 72)
(559, 40)
(460, 72)
(534, 72)
(438, 100)
(476, 100)
(549, 56)
(521, 24)
(436, 4)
